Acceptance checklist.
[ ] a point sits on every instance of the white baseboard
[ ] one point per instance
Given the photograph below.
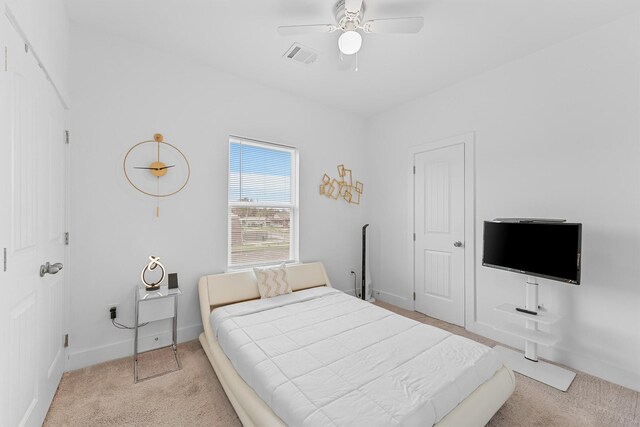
(394, 299)
(565, 357)
(92, 356)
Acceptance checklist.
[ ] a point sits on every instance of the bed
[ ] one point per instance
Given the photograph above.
(321, 357)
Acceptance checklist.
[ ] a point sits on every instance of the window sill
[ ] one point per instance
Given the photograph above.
(250, 267)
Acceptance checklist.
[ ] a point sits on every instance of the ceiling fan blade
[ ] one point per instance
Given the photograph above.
(394, 25)
(288, 30)
(353, 5)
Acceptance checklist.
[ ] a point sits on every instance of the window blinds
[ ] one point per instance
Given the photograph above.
(262, 205)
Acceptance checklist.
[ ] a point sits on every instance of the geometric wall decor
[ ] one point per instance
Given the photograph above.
(342, 187)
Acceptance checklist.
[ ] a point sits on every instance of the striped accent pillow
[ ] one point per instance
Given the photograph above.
(272, 281)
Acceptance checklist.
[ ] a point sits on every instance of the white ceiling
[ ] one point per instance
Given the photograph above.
(460, 38)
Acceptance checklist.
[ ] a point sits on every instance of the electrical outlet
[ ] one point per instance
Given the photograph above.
(115, 308)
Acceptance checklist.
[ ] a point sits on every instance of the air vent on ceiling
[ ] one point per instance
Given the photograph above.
(300, 53)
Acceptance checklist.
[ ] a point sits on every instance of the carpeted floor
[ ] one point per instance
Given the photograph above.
(104, 395)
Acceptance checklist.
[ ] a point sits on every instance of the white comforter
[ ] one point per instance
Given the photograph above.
(320, 357)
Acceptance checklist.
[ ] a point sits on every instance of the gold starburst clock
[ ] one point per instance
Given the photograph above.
(156, 168)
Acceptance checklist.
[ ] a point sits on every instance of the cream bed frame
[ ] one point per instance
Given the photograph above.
(222, 289)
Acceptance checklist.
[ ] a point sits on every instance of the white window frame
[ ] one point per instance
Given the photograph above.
(293, 205)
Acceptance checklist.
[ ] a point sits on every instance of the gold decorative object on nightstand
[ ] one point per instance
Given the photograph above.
(342, 187)
(154, 262)
(148, 161)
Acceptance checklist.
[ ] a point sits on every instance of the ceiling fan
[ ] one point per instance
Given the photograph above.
(349, 17)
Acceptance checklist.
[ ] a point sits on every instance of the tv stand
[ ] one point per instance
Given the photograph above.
(529, 365)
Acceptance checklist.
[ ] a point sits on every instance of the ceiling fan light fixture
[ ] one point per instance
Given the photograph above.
(350, 42)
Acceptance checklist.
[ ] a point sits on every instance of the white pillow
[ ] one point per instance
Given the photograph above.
(272, 281)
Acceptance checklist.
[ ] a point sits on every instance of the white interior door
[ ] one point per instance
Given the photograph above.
(439, 250)
(52, 187)
(5, 221)
(33, 218)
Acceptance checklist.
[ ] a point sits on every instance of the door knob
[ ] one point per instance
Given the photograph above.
(50, 268)
(458, 244)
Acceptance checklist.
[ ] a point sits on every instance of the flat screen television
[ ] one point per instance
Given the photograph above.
(536, 248)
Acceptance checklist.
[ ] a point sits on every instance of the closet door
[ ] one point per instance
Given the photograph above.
(51, 244)
(5, 220)
(33, 212)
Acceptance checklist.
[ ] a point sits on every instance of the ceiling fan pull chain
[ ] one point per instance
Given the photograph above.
(356, 62)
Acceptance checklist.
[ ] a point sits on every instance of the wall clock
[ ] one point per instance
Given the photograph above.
(156, 168)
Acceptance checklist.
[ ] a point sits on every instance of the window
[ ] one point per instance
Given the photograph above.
(263, 203)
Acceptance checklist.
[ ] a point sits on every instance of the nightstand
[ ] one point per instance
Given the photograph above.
(150, 307)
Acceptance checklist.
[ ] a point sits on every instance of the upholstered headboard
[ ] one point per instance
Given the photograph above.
(221, 289)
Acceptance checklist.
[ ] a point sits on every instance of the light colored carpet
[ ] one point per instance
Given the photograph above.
(104, 395)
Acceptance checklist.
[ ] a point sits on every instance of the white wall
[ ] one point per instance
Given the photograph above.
(557, 135)
(45, 25)
(123, 93)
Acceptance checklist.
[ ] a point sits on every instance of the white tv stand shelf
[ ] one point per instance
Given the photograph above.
(542, 318)
(538, 337)
(528, 364)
